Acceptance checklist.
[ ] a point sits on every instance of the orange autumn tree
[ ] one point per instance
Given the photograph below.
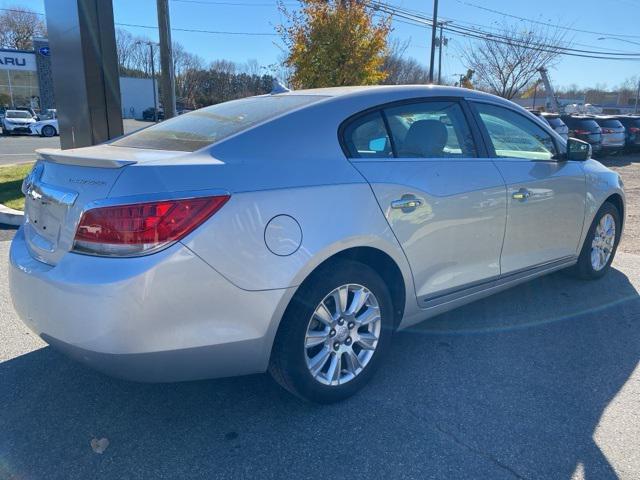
(334, 43)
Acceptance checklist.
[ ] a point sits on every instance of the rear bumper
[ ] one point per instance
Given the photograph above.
(163, 317)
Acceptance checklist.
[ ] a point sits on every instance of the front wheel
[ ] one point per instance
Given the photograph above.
(48, 131)
(334, 333)
(600, 244)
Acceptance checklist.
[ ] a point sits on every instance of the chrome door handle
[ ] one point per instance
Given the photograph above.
(406, 203)
(522, 194)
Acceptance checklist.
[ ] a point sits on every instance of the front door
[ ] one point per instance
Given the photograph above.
(546, 196)
(444, 200)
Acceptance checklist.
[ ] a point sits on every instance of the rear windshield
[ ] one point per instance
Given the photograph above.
(587, 124)
(195, 130)
(610, 123)
(19, 115)
(555, 122)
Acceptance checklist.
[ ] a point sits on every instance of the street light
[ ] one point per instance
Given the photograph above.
(635, 109)
(153, 76)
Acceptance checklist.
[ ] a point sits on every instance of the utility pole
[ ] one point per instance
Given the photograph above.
(167, 77)
(152, 61)
(434, 27)
(635, 110)
(153, 83)
(441, 43)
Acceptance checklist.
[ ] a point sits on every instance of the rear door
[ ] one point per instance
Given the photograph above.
(546, 196)
(443, 198)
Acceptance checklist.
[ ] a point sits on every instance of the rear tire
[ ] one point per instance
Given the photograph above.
(296, 358)
(598, 250)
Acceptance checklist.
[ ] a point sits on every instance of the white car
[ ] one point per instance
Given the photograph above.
(294, 232)
(45, 128)
(17, 121)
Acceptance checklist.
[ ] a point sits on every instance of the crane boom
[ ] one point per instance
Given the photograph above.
(551, 94)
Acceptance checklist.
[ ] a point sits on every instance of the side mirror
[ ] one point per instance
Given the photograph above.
(578, 150)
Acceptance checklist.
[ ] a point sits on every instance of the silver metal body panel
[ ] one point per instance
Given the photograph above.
(454, 237)
(211, 304)
(547, 225)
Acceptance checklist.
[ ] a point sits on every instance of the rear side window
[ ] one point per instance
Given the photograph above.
(367, 137)
(430, 130)
(195, 130)
(515, 136)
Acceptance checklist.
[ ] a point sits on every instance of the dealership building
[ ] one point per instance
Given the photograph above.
(26, 82)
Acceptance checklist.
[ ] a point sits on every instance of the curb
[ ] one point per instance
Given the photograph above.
(9, 216)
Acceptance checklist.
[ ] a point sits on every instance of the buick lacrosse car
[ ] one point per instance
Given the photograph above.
(295, 232)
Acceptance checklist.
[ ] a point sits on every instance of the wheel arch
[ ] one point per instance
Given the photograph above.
(384, 265)
(617, 201)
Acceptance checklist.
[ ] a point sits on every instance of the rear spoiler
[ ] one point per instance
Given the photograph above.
(80, 158)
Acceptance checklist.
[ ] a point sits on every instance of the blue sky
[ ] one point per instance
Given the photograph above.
(611, 17)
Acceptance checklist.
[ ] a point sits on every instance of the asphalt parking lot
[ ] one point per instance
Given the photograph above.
(541, 381)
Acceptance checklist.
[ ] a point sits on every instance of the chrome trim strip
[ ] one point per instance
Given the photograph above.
(456, 293)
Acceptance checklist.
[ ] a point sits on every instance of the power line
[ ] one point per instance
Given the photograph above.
(195, 30)
(426, 21)
(155, 27)
(504, 14)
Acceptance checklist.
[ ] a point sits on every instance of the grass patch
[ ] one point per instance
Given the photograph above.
(11, 178)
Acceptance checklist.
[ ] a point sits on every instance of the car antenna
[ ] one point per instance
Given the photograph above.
(278, 87)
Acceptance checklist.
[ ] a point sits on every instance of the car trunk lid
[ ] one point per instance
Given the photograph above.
(62, 184)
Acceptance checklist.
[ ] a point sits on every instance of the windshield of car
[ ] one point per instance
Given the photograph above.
(18, 114)
(610, 123)
(195, 130)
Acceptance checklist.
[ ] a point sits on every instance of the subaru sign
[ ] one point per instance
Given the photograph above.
(14, 60)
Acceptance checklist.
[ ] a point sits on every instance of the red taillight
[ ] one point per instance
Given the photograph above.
(139, 228)
(634, 130)
(607, 130)
(582, 132)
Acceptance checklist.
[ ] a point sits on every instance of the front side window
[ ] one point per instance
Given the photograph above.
(430, 130)
(515, 136)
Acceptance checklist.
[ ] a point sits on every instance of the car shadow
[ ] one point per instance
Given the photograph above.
(512, 386)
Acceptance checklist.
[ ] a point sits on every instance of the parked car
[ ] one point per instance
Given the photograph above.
(585, 128)
(632, 130)
(17, 121)
(295, 232)
(613, 134)
(148, 115)
(45, 128)
(554, 120)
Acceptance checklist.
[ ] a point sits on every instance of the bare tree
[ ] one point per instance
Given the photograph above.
(251, 67)
(18, 26)
(401, 70)
(507, 62)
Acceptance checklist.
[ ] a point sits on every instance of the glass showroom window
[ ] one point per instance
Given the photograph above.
(19, 89)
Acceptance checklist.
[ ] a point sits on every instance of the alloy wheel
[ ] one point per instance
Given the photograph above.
(342, 334)
(603, 242)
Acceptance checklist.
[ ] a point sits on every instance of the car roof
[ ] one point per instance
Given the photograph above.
(394, 92)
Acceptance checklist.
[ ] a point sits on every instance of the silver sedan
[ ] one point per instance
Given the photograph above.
(295, 232)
